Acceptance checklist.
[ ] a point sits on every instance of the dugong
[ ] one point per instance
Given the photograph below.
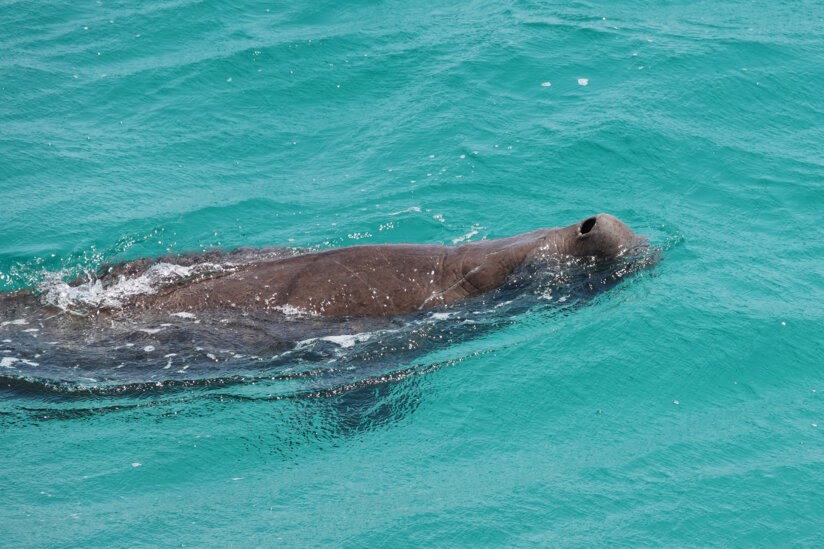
(386, 280)
(201, 317)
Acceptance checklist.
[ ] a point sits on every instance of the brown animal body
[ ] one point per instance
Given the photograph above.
(390, 279)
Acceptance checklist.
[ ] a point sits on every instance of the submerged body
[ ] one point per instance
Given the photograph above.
(391, 280)
(312, 317)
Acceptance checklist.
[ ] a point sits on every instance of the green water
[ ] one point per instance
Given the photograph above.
(684, 408)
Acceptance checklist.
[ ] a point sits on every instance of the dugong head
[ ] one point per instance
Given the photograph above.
(601, 236)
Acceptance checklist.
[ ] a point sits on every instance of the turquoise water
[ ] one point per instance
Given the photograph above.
(682, 408)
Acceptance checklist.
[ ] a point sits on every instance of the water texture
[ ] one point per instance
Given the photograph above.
(682, 407)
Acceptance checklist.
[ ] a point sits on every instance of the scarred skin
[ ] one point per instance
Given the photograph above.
(391, 279)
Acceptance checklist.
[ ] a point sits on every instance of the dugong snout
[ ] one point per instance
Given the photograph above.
(604, 235)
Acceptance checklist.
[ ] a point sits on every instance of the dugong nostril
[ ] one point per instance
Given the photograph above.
(587, 225)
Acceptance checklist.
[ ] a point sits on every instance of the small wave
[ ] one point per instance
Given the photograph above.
(343, 341)
(347, 341)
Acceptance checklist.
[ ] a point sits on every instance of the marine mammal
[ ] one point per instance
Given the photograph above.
(220, 317)
(391, 279)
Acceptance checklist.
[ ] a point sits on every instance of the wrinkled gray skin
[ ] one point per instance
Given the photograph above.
(393, 279)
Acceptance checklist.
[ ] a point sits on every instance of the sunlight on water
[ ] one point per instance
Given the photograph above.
(677, 402)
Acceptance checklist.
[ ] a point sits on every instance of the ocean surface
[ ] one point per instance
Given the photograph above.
(683, 407)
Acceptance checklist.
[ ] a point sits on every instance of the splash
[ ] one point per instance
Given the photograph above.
(100, 293)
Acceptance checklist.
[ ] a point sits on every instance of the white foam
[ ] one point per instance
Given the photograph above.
(57, 293)
(467, 236)
(347, 341)
(16, 322)
(441, 316)
(9, 361)
(184, 314)
(546, 84)
(343, 341)
(583, 81)
(291, 310)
